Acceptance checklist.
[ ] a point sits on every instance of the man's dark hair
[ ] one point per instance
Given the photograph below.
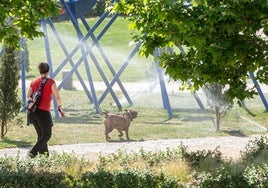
(43, 67)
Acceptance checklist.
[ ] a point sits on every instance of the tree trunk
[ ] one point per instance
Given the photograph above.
(3, 129)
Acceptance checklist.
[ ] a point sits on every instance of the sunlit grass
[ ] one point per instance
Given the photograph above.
(83, 125)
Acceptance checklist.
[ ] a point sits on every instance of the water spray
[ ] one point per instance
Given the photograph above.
(253, 122)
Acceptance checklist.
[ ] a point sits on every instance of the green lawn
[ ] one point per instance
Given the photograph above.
(83, 125)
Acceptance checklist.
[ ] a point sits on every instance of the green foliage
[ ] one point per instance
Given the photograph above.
(128, 178)
(24, 16)
(54, 171)
(254, 148)
(224, 40)
(220, 177)
(150, 159)
(197, 157)
(251, 176)
(41, 172)
(34, 180)
(248, 172)
(9, 77)
(256, 176)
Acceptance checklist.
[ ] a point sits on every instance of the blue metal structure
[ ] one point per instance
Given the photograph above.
(75, 10)
(23, 71)
(264, 101)
(86, 50)
(165, 98)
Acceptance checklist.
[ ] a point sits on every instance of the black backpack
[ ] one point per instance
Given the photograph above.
(34, 101)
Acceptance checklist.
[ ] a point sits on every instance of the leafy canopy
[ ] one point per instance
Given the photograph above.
(23, 15)
(224, 40)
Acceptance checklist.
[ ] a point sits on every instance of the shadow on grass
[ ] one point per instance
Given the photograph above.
(91, 117)
(165, 121)
(192, 115)
(196, 118)
(185, 114)
(237, 133)
(19, 144)
(80, 117)
(124, 140)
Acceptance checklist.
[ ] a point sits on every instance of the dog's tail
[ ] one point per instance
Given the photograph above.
(101, 112)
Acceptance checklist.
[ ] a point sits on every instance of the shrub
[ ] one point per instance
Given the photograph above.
(127, 178)
(100, 178)
(251, 176)
(197, 157)
(9, 100)
(235, 175)
(42, 179)
(256, 176)
(220, 177)
(172, 168)
(254, 148)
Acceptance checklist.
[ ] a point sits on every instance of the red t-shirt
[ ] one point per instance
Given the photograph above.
(46, 96)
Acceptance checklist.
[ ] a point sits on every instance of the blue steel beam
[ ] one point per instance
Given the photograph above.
(165, 98)
(23, 71)
(72, 14)
(107, 62)
(49, 61)
(71, 61)
(88, 51)
(121, 70)
(77, 47)
(264, 101)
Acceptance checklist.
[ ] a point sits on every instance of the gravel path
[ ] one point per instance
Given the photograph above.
(229, 146)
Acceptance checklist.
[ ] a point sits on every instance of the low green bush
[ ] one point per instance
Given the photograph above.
(21, 179)
(255, 148)
(251, 176)
(127, 178)
(195, 158)
(54, 171)
(97, 179)
(142, 169)
(250, 171)
(256, 176)
(220, 177)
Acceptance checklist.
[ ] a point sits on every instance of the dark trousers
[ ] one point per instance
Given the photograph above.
(42, 122)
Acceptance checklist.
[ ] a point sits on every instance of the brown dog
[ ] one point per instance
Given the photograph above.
(121, 122)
